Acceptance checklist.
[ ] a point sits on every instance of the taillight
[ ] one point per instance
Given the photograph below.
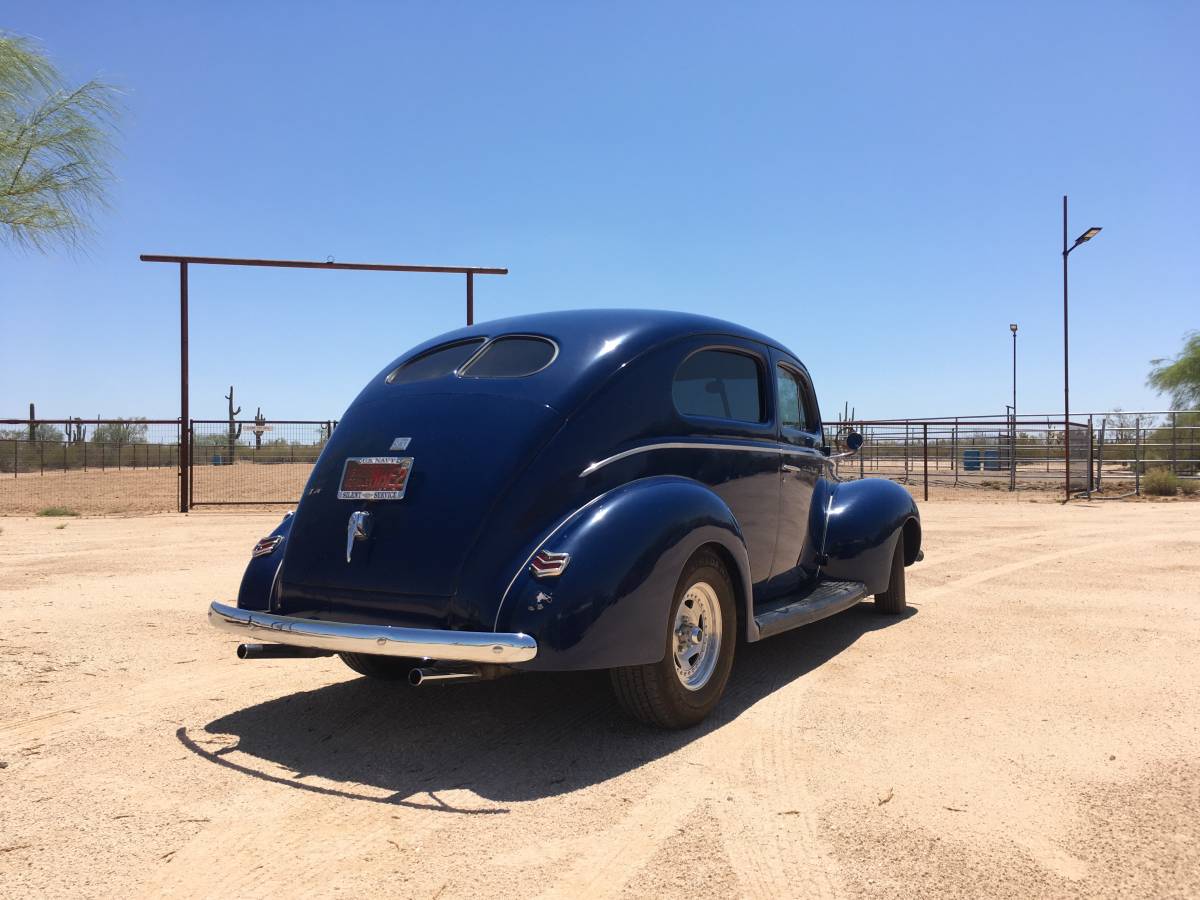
(548, 565)
(266, 546)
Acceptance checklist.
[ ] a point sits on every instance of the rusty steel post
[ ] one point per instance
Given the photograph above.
(185, 450)
(1137, 456)
(470, 298)
(1174, 446)
(925, 442)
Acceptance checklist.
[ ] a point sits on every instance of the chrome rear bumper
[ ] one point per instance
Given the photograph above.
(381, 640)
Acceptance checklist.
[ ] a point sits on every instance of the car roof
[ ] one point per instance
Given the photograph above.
(639, 328)
(593, 343)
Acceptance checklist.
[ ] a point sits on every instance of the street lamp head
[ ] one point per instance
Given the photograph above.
(1013, 327)
(1087, 236)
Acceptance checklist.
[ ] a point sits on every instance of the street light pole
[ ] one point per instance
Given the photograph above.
(1012, 478)
(1082, 239)
(1066, 366)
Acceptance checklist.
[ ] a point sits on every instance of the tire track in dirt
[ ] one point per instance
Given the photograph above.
(158, 693)
(1030, 562)
(769, 822)
(283, 818)
(746, 771)
(607, 863)
(977, 547)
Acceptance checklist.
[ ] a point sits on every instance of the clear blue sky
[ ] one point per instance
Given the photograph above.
(877, 185)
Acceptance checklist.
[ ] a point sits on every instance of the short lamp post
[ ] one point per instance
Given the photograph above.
(1082, 239)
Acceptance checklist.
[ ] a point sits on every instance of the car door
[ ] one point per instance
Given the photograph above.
(722, 392)
(803, 463)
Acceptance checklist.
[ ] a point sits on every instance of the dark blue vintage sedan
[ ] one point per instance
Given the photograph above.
(610, 489)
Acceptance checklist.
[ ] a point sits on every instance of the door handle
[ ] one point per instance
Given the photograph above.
(790, 468)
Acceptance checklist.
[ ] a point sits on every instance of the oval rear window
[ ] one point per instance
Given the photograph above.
(512, 357)
(435, 363)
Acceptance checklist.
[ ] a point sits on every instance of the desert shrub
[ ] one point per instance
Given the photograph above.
(57, 511)
(1160, 483)
(1188, 486)
(120, 431)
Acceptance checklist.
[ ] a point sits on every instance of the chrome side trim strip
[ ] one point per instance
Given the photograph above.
(381, 640)
(274, 581)
(701, 445)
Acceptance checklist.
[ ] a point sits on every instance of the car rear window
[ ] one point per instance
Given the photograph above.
(512, 357)
(720, 384)
(436, 362)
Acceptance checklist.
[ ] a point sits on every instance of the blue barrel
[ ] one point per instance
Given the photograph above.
(991, 460)
(971, 460)
(216, 459)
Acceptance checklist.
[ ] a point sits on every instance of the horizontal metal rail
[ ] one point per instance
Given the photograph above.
(315, 264)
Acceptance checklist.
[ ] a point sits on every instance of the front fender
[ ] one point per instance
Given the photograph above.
(628, 547)
(865, 519)
(258, 581)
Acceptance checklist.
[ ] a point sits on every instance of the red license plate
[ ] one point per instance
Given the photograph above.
(375, 478)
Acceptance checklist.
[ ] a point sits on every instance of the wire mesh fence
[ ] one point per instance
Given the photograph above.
(89, 465)
(254, 461)
(132, 465)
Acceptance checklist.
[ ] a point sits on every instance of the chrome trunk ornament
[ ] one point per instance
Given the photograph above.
(357, 529)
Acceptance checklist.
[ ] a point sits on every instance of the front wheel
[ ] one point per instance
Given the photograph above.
(892, 602)
(683, 687)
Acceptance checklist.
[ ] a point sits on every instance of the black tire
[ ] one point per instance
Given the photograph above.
(382, 668)
(655, 693)
(891, 602)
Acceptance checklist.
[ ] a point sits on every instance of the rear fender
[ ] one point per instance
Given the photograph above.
(864, 521)
(260, 579)
(628, 547)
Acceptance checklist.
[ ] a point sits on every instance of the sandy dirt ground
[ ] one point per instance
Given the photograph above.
(127, 491)
(1031, 728)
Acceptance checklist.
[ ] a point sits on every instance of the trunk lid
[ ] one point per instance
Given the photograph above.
(466, 450)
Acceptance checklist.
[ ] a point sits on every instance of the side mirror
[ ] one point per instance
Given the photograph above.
(854, 440)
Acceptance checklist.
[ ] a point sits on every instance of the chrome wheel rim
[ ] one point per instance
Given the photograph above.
(696, 637)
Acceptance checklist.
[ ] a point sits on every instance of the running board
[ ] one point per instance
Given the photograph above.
(823, 599)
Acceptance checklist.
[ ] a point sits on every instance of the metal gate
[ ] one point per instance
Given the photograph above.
(247, 462)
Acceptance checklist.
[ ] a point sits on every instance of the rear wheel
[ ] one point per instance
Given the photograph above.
(892, 602)
(683, 687)
(383, 668)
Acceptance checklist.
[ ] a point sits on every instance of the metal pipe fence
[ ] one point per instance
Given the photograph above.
(133, 465)
(1113, 448)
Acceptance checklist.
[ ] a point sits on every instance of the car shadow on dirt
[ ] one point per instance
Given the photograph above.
(521, 738)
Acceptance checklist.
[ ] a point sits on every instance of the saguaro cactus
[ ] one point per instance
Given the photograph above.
(235, 429)
(76, 433)
(260, 422)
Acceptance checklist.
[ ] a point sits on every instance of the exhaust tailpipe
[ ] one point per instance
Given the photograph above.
(444, 675)
(278, 651)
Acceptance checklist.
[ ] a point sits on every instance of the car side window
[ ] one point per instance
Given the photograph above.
(720, 384)
(791, 406)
